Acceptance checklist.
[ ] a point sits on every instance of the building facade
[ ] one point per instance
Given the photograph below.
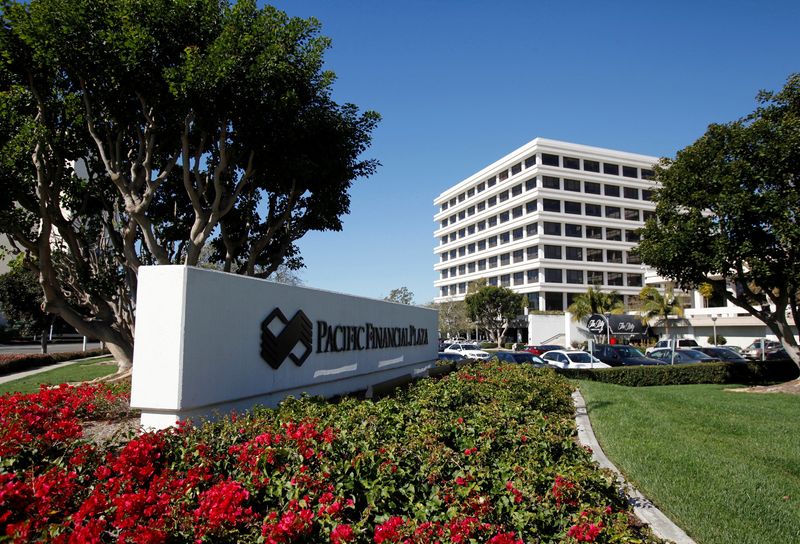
(548, 220)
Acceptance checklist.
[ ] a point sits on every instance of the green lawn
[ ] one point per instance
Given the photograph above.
(77, 372)
(724, 466)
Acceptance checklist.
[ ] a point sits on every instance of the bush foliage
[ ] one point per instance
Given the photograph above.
(16, 362)
(485, 454)
(639, 376)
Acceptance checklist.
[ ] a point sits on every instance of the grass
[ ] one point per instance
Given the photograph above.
(77, 372)
(724, 466)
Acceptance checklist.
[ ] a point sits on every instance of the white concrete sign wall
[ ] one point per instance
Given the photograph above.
(208, 342)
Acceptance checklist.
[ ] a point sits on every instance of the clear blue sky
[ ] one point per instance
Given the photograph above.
(461, 83)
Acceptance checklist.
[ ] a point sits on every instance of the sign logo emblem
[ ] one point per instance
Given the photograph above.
(294, 341)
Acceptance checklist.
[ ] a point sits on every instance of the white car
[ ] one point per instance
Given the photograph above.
(573, 359)
(470, 351)
(682, 343)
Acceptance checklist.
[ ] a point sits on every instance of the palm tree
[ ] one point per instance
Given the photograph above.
(595, 301)
(654, 304)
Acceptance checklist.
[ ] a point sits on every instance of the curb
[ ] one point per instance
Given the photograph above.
(662, 526)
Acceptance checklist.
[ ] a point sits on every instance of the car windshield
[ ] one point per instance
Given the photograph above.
(627, 351)
(581, 357)
(525, 357)
(694, 354)
(470, 346)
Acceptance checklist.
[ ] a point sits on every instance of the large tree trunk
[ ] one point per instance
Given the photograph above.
(44, 340)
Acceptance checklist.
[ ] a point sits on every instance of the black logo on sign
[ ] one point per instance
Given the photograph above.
(275, 349)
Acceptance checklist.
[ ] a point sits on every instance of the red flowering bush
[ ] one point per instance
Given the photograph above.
(483, 455)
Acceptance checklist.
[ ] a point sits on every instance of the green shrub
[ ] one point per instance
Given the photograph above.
(488, 345)
(722, 373)
(508, 345)
(17, 362)
(720, 341)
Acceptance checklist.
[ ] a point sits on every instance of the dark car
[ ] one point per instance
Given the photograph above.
(776, 355)
(444, 356)
(542, 348)
(723, 354)
(682, 356)
(619, 355)
(520, 357)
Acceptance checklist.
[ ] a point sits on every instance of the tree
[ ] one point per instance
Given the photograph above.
(595, 301)
(727, 213)
(656, 305)
(139, 132)
(453, 318)
(21, 300)
(402, 295)
(492, 307)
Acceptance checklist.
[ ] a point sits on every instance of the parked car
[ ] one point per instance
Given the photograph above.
(619, 355)
(682, 343)
(445, 356)
(776, 354)
(470, 351)
(542, 348)
(573, 359)
(520, 357)
(753, 351)
(723, 354)
(682, 356)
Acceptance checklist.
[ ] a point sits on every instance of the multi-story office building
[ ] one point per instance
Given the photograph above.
(549, 220)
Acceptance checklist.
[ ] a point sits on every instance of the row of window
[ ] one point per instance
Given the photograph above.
(569, 253)
(549, 228)
(610, 168)
(551, 182)
(553, 275)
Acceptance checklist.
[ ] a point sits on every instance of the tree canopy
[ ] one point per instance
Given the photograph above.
(595, 301)
(655, 305)
(492, 308)
(727, 213)
(21, 302)
(402, 295)
(138, 132)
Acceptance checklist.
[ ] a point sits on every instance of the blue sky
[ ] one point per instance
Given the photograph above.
(460, 84)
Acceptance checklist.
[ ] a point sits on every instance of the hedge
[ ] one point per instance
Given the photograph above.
(755, 372)
(17, 362)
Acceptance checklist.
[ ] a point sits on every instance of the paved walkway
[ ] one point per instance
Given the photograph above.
(25, 373)
(662, 526)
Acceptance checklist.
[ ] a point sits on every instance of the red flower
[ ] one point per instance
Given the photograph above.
(342, 533)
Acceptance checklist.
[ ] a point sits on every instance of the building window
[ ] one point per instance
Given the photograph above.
(593, 210)
(634, 280)
(574, 231)
(530, 207)
(632, 258)
(505, 259)
(550, 182)
(492, 241)
(551, 205)
(471, 192)
(453, 236)
(471, 229)
(594, 255)
(530, 161)
(462, 288)
(631, 236)
(462, 251)
(491, 201)
(504, 217)
(505, 238)
(516, 190)
(552, 229)
(471, 248)
(531, 229)
(503, 196)
(590, 187)
(572, 207)
(574, 276)
(443, 257)
(444, 274)
(549, 160)
(612, 190)
(632, 193)
(530, 184)
(574, 253)
(518, 255)
(553, 302)
(493, 280)
(572, 162)
(516, 212)
(591, 166)
(471, 210)
(613, 256)
(462, 269)
(552, 252)
(462, 214)
(613, 212)
(611, 169)
(572, 185)
(481, 245)
(493, 262)
(516, 234)
(647, 214)
(533, 276)
(502, 176)
(516, 169)
(532, 252)
(444, 291)
(630, 172)
(444, 206)
(491, 182)
(594, 277)
(481, 206)
(452, 201)
(614, 235)
(461, 197)
(615, 278)
(471, 267)
(647, 195)
(482, 264)
(552, 275)
(481, 225)
(647, 174)
(631, 215)
(462, 233)
(444, 239)
(519, 278)
(492, 221)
